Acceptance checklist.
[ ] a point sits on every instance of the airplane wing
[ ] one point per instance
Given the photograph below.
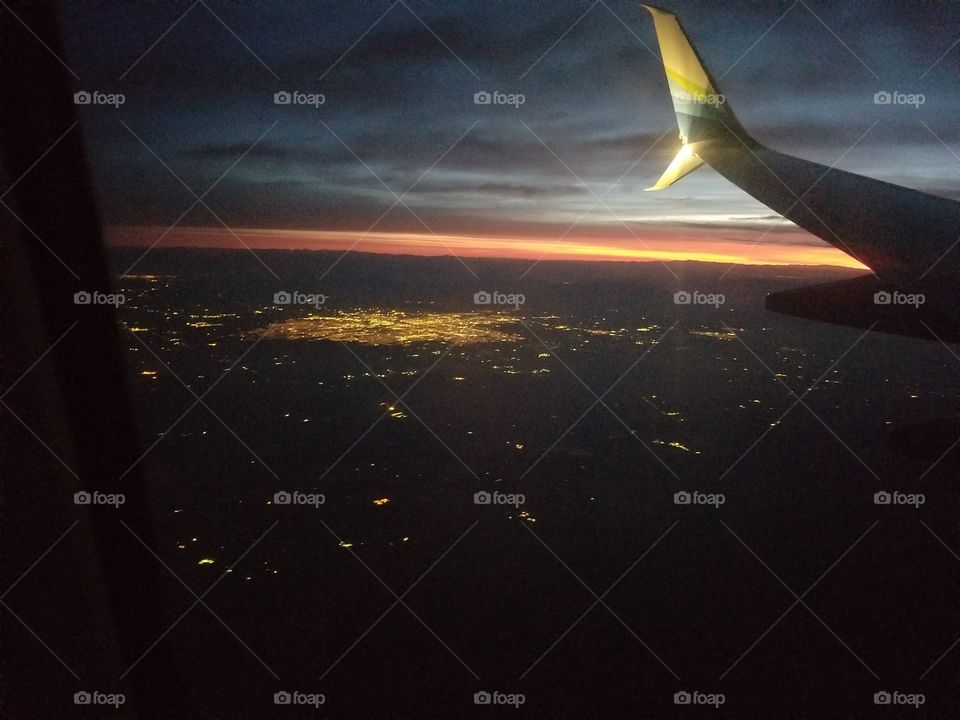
(909, 239)
(867, 302)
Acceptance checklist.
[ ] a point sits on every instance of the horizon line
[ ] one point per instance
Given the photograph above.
(668, 245)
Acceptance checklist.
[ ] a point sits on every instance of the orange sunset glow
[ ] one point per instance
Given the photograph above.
(671, 244)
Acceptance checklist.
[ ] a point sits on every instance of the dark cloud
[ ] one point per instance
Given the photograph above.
(400, 94)
(272, 152)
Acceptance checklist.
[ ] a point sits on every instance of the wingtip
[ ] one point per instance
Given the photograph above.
(654, 9)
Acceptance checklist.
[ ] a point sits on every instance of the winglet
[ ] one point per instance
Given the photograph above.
(685, 162)
(702, 110)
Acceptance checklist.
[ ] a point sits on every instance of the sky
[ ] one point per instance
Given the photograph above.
(400, 158)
